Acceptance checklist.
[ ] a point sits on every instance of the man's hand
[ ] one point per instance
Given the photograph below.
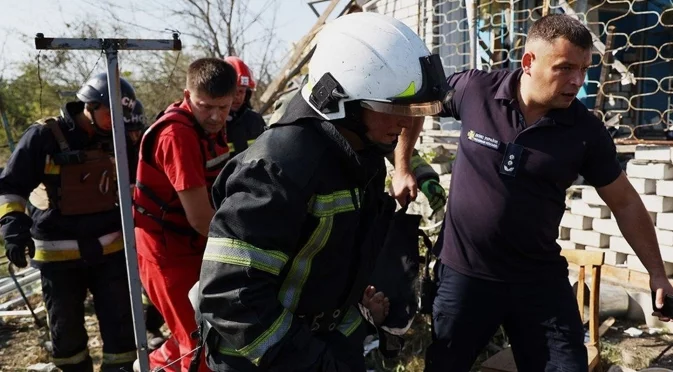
(661, 286)
(404, 186)
(435, 193)
(16, 251)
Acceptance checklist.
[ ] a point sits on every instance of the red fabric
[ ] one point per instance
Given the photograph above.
(168, 288)
(177, 164)
(178, 155)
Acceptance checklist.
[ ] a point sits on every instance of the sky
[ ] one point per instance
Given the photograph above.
(20, 21)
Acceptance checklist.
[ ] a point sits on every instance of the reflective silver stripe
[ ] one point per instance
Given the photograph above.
(256, 350)
(217, 162)
(337, 202)
(60, 245)
(12, 198)
(291, 289)
(350, 322)
(238, 252)
(119, 358)
(77, 358)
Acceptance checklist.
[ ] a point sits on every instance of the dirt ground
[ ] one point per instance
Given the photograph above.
(22, 344)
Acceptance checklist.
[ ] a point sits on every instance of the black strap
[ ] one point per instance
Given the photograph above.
(158, 201)
(168, 225)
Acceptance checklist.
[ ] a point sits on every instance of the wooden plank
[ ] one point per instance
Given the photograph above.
(279, 82)
(618, 274)
(594, 301)
(13, 313)
(639, 280)
(583, 258)
(605, 326)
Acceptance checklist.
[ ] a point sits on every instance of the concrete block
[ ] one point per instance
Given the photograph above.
(441, 168)
(651, 171)
(563, 233)
(666, 253)
(610, 257)
(590, 238)
(573, 221)
(664, 221)
(633, 263)
(664, 237)
(567, 244)
(656, 203)
(581, 208)
(590, 196)
(664, 188)
(643, 185)
(620, 245)
(654, 153)
(606, 226)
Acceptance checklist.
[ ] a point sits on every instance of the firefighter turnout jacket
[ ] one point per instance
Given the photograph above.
(70, 180)
(301, 218)
(243, 127)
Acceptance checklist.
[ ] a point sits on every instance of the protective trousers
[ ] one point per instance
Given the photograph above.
(168, 287)
(64, 292)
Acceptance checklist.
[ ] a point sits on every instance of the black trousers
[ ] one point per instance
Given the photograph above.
(64, 292)
(540, 318)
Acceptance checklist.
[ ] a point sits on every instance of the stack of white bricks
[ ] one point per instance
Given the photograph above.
(589, 224)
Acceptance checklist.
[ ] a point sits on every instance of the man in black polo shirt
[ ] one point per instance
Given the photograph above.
(525, 139)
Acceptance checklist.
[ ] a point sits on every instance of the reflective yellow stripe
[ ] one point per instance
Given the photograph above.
(49, 255)
(250, 142)
(77, 358)
(231, 147)
(11, 207)
(119, 358)
(350, 322)
(334, 203)
(238, 252)
(255, 351)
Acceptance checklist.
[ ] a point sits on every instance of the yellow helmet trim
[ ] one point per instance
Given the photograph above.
(410, 91)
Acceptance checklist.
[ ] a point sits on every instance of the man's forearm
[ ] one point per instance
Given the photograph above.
(636, 225)
(406, 143)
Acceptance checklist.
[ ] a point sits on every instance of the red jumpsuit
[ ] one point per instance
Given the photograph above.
(176, 155)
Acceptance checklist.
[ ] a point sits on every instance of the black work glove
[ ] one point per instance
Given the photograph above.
(15, 250)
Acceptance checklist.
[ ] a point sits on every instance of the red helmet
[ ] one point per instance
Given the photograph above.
(245, 78)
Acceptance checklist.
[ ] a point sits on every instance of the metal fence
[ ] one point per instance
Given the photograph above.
(630, 83)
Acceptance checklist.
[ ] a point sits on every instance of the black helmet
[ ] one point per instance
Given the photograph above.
(138, 119)
(95, 90)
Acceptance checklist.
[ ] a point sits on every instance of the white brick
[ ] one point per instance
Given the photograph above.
(581, 208)
(643, 185)
(611, 257)
(664, 237)
(620, 245)
(606, 226)
(665, 188)
(656, 153)
(665, 221)
(589, 237)
(563, 233)
(666, 253)
(590, 196)
(633, 263)
(573, 221)
(656, 203)
(567, 244)
(652, 171)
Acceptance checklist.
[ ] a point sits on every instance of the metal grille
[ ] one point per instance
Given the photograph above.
(630, 83)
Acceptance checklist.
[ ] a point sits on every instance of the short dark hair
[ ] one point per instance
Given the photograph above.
(553, 26)
(212, 76)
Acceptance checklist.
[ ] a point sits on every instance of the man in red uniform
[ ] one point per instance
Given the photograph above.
(180, 156)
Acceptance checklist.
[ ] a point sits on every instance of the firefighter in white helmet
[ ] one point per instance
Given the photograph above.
(284, 293)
